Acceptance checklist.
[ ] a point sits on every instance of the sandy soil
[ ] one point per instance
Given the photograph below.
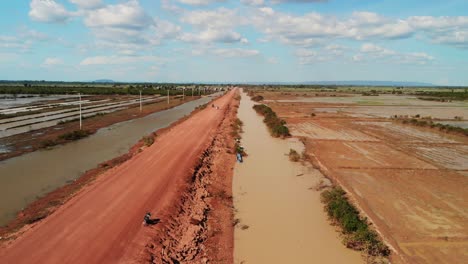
(108, 213)
(410, 182)
(32, 141)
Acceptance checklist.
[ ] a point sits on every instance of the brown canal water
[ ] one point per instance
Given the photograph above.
(281, 217)
(25, 178)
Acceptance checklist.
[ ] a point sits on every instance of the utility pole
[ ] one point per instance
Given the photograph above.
(183, 94)
(140, 101)
(167, 96)
(192, 91)
(79, 94)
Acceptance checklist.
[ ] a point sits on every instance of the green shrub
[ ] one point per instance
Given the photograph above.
(294, 156)
(276, 126)
(149, 140)
(48, 143)
(75, 135)
(257, 98)
(358, 234)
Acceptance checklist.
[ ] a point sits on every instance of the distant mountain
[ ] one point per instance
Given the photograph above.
(103, 81)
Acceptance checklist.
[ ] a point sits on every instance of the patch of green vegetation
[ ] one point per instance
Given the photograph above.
(75, 135)
(276, 125)
(48, 143)
(257, 98)
(444, 95)
(358, 235)
(148, 140)
(294, 156)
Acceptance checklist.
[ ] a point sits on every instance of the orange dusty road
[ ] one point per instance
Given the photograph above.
(103, 222)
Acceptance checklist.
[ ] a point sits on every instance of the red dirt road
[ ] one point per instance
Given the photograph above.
(103, 223)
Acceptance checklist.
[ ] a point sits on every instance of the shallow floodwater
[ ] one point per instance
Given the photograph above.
(285, 219)
(24, 178)
(8, 100)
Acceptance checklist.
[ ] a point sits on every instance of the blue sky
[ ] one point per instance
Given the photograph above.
(235, 41)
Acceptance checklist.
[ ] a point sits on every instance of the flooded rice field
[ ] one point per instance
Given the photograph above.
(21, 124)
(10, 100)
(24, 178)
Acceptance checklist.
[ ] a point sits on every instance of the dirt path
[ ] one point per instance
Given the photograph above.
(281, 216)
(103, 223)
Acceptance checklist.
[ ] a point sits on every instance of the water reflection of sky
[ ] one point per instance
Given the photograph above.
(8, 100)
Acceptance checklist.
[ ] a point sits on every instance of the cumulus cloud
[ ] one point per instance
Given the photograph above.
(312, 28)
(14, 43)
(129, 15)
(443, 30)
(307, 56)
(199, 2)
(213, 35)
(224, 52)
(114, 60)
(235, 53)
(298, 1)
(370, 51)
(48, 11)
(253, 2)
(124, 23)
(51, 62)
(87, 4)
(213, 26)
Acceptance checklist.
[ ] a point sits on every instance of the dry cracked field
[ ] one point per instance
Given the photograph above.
(411, 182)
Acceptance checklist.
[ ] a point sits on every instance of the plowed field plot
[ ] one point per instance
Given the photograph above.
(365, 155)
(427, 219)
(325, 131)
(452, 157)
(411, 182)
(403, 133)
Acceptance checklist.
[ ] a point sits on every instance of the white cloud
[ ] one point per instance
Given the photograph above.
(443, 30)
(213, 26)
(48, 11)
(313, 28)
(235, 53)
(297, 1)
(51, 62)
(375, 50)
(200, 2)
(115, 60)
(372, 52)
(307, 56)
(213, 35)
(129, 15)
(253, 2)
(218, 18)
(15, 43)
(87, 4)
(224, 52)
